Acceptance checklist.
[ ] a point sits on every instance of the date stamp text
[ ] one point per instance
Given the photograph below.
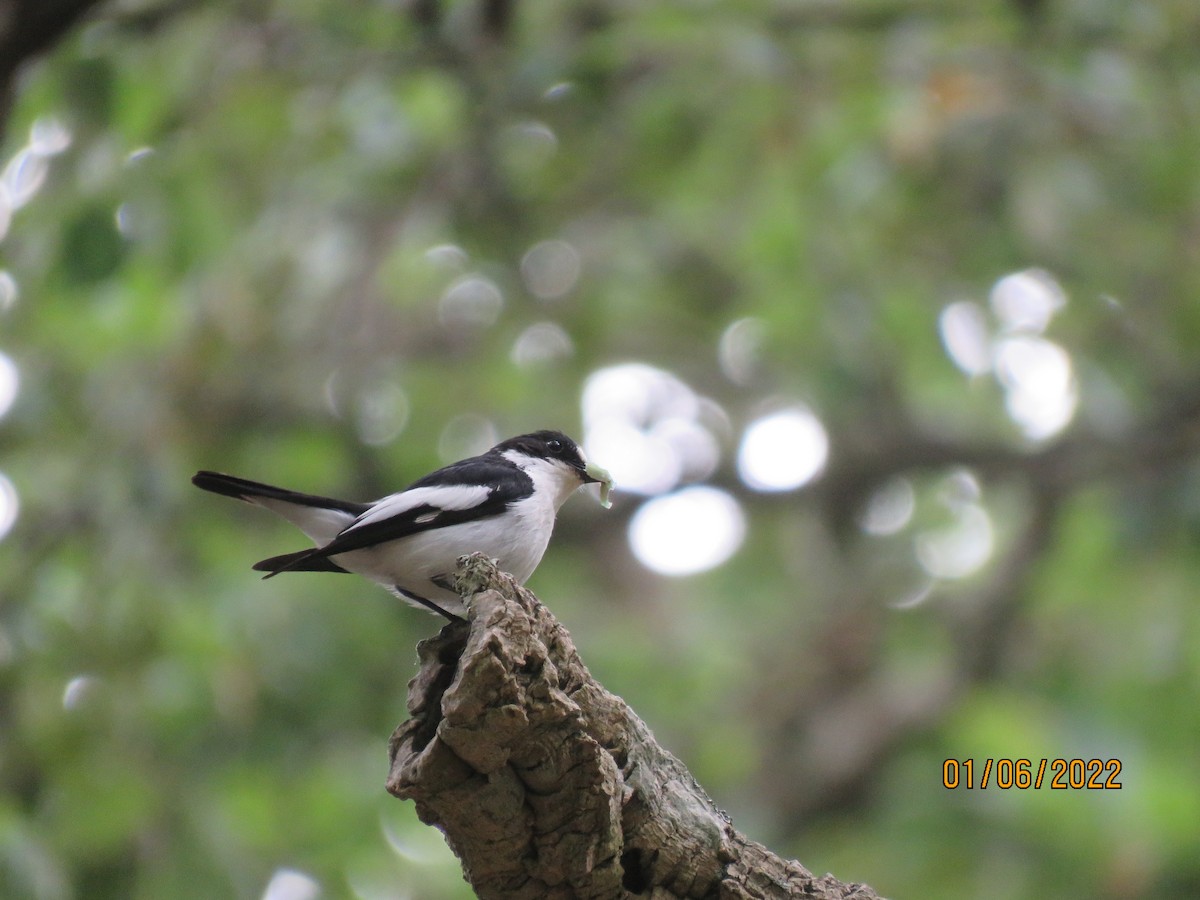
(1024, 774)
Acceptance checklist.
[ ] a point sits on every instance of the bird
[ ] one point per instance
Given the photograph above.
(501, 503)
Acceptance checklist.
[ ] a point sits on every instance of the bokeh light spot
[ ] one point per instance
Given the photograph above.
(740, 348)
(290, 884)
(550, 269)
(48, 136)
(23, 176)
(420, 846)
(1040, 386)
(558, 90)
(541, 343)
(9, 383)
(139, 155)
(648, 428)
(1037, 375)
(639, 462)
(26, 171)
(76, 692)
(890, 508)
(532, 142)
(964, 330)
(375, 121)
(686, 532)
(448, 257)
(382, 413)
(470, 302)
(783, 451)
(466, 435)
(1027, 301)
(9, 505)
(8, 291)
(960, 549)
(963, 546)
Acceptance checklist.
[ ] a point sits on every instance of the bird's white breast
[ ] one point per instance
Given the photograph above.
(516, 538)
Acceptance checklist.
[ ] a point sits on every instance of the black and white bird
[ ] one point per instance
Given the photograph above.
(501, 503)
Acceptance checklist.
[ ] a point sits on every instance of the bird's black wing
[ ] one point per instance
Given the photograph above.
(466, 491)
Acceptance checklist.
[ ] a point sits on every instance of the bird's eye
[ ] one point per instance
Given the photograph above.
(554, 445)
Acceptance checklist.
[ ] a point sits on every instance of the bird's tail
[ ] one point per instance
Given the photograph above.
(300, 561)
(252, 491)
(321, 518)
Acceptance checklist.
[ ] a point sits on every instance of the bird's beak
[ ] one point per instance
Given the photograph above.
(594, 474)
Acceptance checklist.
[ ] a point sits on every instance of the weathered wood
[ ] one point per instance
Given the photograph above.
(546, 785)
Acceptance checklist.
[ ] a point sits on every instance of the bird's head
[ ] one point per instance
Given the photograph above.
(554, 456)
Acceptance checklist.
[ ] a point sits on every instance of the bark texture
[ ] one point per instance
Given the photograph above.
(548, 786)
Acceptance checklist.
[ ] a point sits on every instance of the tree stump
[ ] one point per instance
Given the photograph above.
(548, 786)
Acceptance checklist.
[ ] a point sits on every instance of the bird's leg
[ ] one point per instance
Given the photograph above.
(431, 606)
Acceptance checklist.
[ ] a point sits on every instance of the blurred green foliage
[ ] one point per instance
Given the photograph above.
(244, 260)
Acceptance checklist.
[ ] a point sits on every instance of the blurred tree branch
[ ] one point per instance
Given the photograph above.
(29, 28)
(852, 715)
(895, 445)
(856, 710)
(547, 785)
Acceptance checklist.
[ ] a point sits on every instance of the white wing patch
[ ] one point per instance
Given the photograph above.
(454, 496)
